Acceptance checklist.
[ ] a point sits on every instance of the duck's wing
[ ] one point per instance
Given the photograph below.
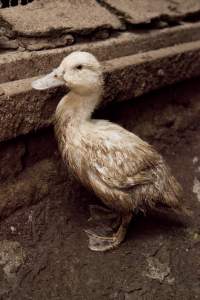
(118, 158)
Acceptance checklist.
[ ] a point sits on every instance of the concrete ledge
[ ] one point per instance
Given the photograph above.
(137, 11)
(44, 18)
(19, 65)
(23, 109)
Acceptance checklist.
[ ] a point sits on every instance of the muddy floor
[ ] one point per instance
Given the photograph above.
(158, 260)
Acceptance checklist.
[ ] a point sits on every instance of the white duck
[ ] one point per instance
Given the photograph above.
(125, 172)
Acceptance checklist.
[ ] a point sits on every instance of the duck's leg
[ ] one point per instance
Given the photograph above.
(105, 220)
(104, 243)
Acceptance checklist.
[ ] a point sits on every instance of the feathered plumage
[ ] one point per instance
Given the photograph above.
(125, 172)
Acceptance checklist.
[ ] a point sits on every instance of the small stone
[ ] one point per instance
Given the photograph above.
(69, 39)
(195, 160)
(13, 229)
(21, 49)
(170, 280)
(64, 41)
(30, 218)
(161, 24)
(161, 73)
(196, 188)
(102, 35)
(196, 236)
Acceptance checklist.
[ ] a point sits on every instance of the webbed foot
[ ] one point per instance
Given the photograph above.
(101, 243)
(103, 221)
(105, 243)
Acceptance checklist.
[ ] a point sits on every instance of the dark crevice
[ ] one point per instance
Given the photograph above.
(94, 35)
(25, 155)
(54, 39)
(192, 17)
(5, 3)
(10, 3)
(122, 16)
(155, 23)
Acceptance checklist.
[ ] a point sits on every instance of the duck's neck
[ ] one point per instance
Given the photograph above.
(73, 110)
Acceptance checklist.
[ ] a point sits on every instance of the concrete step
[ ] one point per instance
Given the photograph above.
(46, 24)
(137, 11)
(23, 110)
(19, 65)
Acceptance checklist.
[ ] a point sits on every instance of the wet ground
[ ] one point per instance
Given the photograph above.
(49, 258)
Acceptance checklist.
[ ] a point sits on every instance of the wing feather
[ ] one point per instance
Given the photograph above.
(118, 158)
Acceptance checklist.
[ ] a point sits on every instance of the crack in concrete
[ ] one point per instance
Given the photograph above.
(121, 15)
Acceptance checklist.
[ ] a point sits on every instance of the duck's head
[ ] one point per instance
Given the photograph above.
(79, 71)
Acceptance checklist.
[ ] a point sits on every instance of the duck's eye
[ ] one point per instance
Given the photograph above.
(79, 67)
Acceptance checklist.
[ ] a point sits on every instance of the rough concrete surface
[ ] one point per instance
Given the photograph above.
(145, 11)
(50, 24)
(24, 109)
(28, 64)
(160, 257)
(46, 17)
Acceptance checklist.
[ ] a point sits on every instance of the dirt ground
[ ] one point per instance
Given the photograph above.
(158, 260)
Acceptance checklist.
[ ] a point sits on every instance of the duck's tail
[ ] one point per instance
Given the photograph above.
(182, 210)
(172, 195)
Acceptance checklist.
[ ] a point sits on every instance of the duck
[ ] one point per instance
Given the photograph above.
(126, 173)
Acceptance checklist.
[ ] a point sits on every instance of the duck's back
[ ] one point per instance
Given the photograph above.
(123, 170)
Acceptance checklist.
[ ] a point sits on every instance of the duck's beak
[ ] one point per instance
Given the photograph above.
(48, 81)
